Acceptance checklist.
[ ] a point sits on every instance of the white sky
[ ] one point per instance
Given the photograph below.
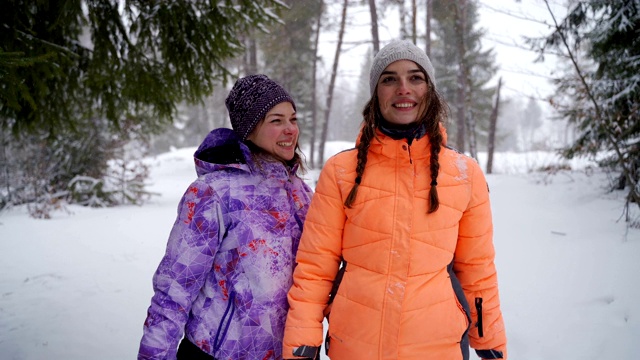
(507, 23)
(78, 286)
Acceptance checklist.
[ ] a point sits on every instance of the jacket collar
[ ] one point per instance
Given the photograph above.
(391, 148)
(409, 132)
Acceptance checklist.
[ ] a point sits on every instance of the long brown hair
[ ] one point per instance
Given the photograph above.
(434, 113)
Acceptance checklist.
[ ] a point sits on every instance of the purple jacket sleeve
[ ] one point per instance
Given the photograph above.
(188, 259)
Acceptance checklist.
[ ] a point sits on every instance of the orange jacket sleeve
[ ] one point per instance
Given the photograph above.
(318, 260)
(474, 266)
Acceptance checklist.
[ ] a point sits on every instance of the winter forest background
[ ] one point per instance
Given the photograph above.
(91, 87)
(93, 93)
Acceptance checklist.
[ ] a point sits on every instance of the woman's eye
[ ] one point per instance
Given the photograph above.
(388, 79)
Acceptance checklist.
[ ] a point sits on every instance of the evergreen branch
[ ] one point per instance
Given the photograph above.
(16, 59)
(517, 16)
(608, 132)
(521, 47)
(47, 43)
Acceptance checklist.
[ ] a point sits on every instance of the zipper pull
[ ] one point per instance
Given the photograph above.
(408, 148)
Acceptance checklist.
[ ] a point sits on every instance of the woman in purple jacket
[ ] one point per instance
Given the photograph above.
(223, 281)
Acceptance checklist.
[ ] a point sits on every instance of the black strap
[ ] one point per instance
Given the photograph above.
(306, 351)
(490, 354)
(337, 281)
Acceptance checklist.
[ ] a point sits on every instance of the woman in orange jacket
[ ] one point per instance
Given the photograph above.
(410, 220)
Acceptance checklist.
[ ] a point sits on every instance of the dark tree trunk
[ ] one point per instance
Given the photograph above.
(461, 95)
(471, 128)
(403, 20)
(428, 27)
(253, 56)
(334, 73)
(493, 121)
(414, 24)
(314, 100)
(374, 26)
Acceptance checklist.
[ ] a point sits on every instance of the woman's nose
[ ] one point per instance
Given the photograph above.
(403, 87)
(291, 128)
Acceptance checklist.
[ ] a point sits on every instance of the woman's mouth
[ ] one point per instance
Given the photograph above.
(404, 105)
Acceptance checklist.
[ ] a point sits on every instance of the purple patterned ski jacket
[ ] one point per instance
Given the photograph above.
(228, 266)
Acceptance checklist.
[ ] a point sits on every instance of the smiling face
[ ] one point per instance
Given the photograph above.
(277, 133)
(401, 91)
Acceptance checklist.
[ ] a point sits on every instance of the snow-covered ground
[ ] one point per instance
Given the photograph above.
(77, 286)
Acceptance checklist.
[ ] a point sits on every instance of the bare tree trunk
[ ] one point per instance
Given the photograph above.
(244, 66)
(414, 25)
(334, 73)
(428, 27)
(471, 128)
(374, 26)
(253, 56)
(460, 14)
(493, 122)
(314, 81)
(5, 170)
(250, 58)
(403, 19)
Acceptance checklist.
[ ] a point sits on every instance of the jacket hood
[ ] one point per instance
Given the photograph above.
(223, 149)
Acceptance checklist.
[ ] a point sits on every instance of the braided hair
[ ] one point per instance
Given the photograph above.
(432, 116)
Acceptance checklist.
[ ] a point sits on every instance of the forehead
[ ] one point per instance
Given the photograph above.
(283, 108)
(402, 65)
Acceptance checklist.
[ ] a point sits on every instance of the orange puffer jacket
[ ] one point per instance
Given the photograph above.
(410, 276)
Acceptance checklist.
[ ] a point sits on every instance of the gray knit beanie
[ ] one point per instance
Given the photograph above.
(250, 100)
(394, 51)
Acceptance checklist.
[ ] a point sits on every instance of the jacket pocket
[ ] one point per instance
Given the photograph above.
(225, 322)
(460, 298)
(479, 312)
(464, 313)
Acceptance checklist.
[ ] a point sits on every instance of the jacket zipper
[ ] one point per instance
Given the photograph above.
(479, 311)
(409, 141)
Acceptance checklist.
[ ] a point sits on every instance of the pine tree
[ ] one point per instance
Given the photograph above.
(288, 53)
(84, 80)
(602, 94)
(456, 56)
(62, 60)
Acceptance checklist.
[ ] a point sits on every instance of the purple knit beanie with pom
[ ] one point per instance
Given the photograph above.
(250, 100)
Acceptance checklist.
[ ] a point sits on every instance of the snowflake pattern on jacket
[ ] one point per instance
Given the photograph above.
(224, 278)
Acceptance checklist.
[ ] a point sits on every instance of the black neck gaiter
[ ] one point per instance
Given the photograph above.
(409, 132)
